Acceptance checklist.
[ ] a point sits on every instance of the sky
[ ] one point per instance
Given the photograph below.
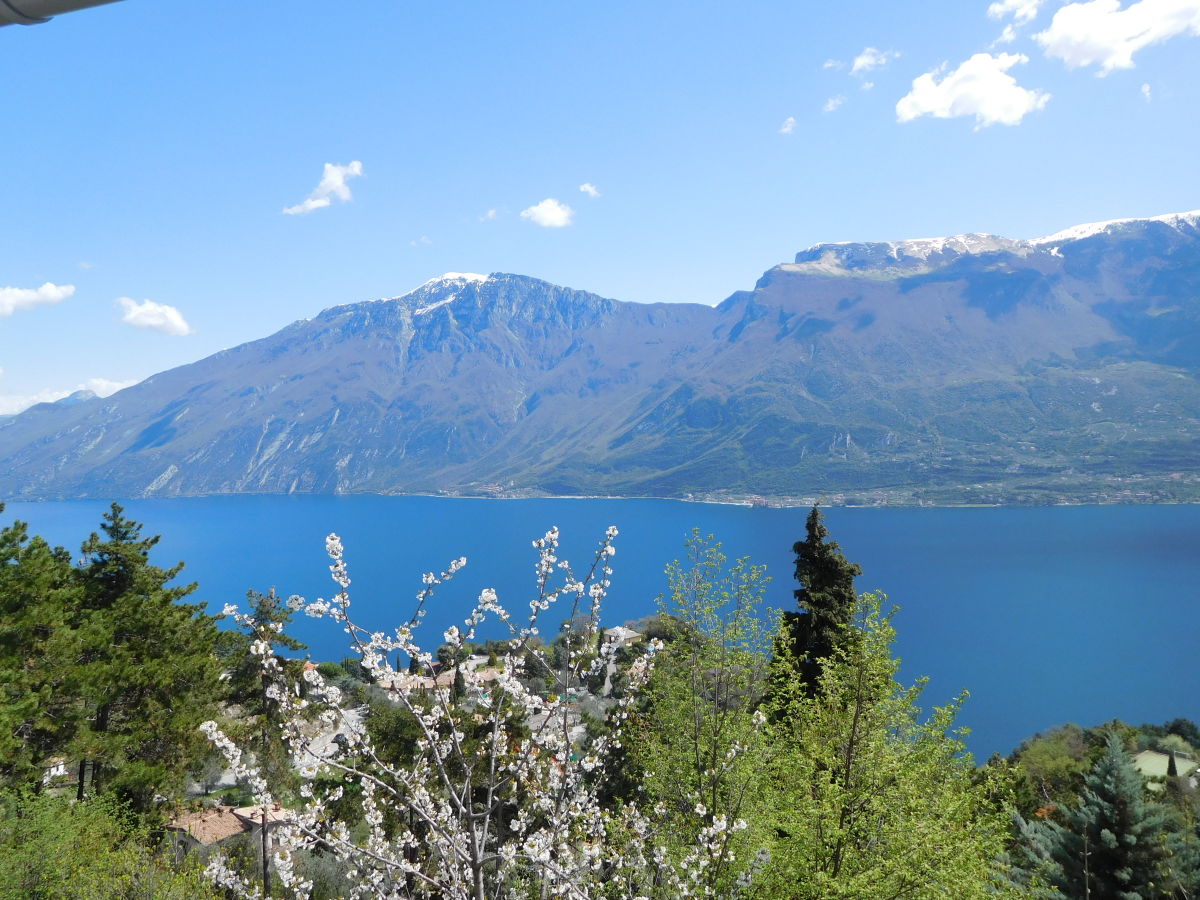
(185, 176)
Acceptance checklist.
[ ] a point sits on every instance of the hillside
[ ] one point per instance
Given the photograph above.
(964, 369)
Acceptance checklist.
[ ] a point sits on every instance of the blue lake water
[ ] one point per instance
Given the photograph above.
(1046, 615)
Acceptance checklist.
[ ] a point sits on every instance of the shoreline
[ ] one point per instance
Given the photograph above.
(833, 500)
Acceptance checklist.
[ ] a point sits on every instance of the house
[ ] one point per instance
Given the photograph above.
(1154, 764)
(253, 815)
(621, 636)
(206, 827)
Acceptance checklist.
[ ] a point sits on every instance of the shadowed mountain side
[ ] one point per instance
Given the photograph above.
(970, 368)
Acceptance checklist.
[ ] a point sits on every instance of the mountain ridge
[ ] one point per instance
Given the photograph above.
(982, 370)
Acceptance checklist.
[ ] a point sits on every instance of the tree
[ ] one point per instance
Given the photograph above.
(826, 598)
(38, 647)
(51, 849)
(262, 634)
(497, 800)
(1115, 844)
(700, 747)
(148, 674)
(873, 799)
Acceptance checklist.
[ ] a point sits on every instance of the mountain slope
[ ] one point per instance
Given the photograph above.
(972, 368)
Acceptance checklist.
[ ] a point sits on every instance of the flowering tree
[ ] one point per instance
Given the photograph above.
(500, 796)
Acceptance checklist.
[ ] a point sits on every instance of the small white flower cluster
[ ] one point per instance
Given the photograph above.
(496, 799)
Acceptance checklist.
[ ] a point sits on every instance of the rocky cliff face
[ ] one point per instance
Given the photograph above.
(965, 368)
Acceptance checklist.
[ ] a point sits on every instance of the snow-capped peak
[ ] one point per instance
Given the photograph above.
(457, 276)
(1077, 232)
(890, 259)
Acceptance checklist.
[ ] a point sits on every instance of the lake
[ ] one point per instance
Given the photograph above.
(1046, 615)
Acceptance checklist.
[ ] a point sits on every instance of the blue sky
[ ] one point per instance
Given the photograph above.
(184, 176)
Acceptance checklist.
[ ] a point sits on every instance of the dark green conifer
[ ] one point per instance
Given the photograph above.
(38, 646)
(826, 598)
(1115, 844)
(147, 669)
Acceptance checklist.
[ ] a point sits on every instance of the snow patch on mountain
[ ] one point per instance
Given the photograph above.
(1090, 229)
(892, 259)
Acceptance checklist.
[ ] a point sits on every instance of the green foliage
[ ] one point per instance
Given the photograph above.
(39, 596)
(147, 669)
(700, 746)
(1049, 768)
(101, 664)
(827, 602)
(51, 849)
(876, 801)
(847, 789)
(1115, 843)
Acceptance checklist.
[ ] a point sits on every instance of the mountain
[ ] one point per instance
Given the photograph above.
(965, 369)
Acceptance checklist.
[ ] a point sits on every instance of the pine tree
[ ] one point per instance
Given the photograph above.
(38, 645)
(147, 668)
(827, 602)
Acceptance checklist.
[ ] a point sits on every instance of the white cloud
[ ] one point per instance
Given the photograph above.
(590, 189)
(833, 103)
(12, 299)
(1007, 36)
(1022, 11)
(1146, 93)
(489, 216)
(101, 387)
(871, 59)
(86, 265)
(549, 214)
(422, 241)
(833, 64)
(788, 126)
(980, 87)
(867, 85)
(1102, 34)
(155, 316)
(333, 184)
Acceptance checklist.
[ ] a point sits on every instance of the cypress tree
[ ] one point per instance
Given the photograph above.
(827, 602)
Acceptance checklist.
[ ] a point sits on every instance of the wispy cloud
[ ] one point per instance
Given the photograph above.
(550, 213)
(832, 104)
(333, 185)
(1146, 93)
(422, 241)
(871, 59)
(1007, 36)
(489, 216)
(833, 64)
(12, 298)
(788, 126)
(1022, 11)
(153, 316)
(1100, 33)
(590, 189)
(980, 87)
(101, 387)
